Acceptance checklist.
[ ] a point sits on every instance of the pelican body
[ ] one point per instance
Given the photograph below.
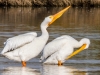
(62, 48)
(27, 46)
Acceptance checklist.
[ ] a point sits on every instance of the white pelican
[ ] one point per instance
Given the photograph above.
(61, 49)
(26, 46)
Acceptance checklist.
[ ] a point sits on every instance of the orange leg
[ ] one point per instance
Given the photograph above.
(59, 63)
(23, 64)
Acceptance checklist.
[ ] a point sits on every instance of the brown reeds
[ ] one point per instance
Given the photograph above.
(85, 2)
(49, 2)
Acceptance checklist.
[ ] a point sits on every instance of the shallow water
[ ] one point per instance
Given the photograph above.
(76, 22)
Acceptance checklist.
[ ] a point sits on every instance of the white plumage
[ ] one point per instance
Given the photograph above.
(18, 41)
(60, 48)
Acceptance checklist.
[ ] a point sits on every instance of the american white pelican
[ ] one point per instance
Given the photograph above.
(61, 49)
(26, 46)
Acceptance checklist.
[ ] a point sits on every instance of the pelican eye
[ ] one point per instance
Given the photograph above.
(51, 17)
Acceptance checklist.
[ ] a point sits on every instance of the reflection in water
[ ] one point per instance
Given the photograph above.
(50, 70)
(20, 71)
(44, 70)
(61, 70)
(23, 18)
(73, 18)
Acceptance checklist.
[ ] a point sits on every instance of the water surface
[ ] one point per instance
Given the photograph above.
(76, 22)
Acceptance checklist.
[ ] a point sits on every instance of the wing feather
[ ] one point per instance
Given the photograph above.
(56, 45)
(18, 41)
(53, 47)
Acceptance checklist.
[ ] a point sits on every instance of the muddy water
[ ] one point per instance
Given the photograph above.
(76, 22)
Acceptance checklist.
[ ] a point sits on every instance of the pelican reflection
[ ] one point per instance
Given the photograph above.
(61, 70)
(20, 71)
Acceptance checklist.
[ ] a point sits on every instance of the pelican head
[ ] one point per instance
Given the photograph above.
(47, 20)
(57, 15)
(85, 42)
(50, 19)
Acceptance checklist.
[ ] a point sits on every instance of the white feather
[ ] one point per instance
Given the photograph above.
(55, 45)
(18, 41)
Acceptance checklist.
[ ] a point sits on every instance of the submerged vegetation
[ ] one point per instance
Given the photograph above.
(49, 2)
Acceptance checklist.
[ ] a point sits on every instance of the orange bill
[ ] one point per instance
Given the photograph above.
(57, 15)
(76, 52)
